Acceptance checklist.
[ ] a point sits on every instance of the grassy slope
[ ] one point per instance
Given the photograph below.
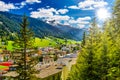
(43, 42)
(47, 41)
(9, 46)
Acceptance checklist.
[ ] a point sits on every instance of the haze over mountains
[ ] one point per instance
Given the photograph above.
(10, 23)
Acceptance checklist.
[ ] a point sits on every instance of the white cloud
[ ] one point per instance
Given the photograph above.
(84, 20)
(62, 11)
(89, 5)
(80, 22)
(60, 18)
(86, 4)
(89, 8)
(80, 26)
(48, 13)
(100, 4)
(54, 17)
(23, 3)
(66, 23)
(74, 7)
(43, 13)
(6, 7)
(32, 1)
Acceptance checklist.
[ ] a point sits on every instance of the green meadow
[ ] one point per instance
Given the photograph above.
(45, 42)
(52, 42)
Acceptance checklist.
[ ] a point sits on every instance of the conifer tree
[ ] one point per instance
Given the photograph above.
(103, 53)
(23, 43)
(114, 71)
(83, 40)
(85, 68)
(100, 57)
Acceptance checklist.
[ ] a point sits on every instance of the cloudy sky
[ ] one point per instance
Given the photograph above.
(76, 13)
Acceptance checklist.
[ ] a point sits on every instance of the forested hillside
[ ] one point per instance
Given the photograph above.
(10, 24)
(99, 58)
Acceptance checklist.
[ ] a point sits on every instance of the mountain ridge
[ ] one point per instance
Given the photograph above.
(10, 22)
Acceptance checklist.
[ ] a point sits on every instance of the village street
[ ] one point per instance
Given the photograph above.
(57, 66)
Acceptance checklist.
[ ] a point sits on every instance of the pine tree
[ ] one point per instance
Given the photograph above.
(85, 68)
(24, 42)
(83, 40)
(100, 57)
(4, 38)
(104, 53)
(115, 64)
